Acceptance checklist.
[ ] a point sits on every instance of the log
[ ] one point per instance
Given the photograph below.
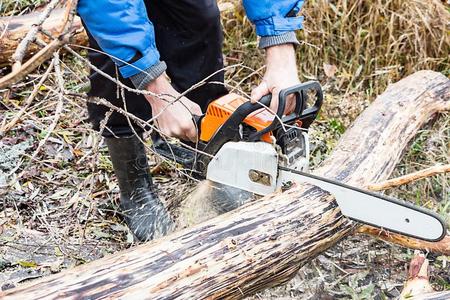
(263, 243)
(15, 28)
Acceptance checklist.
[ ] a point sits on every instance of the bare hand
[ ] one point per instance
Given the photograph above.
(281, 73)
(174, 120)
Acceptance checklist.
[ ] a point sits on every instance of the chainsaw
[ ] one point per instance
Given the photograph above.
(246, 146)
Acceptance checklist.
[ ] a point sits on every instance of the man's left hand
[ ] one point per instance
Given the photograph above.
(281, 73)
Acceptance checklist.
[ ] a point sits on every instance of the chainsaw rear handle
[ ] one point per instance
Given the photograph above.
(302, 112)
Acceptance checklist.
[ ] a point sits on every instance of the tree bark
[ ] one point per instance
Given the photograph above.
(263, 243)
(442, 247)
(15, 28)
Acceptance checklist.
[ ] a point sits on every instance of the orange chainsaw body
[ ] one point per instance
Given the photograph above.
(220, 110)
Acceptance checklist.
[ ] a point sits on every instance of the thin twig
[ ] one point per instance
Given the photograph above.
(439, 169)
(28, 102)
(57, 115)
(45, 53)
(31, 35)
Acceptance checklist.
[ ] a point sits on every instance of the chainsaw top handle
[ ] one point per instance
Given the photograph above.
(229, 131)
(301, 112)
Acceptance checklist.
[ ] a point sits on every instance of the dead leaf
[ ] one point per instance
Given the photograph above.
(27, 264)
(56, 266)
(329, 70)
(61, 194)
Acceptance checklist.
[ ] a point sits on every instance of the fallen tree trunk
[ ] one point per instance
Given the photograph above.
(13, 30)
(264, 243)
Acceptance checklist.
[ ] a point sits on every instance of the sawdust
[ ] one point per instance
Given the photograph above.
(209, 200)
(198, 206)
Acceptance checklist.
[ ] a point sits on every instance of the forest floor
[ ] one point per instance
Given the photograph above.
(62, 211)
(59, 204)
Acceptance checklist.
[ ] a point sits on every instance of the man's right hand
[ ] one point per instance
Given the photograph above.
(174, 120)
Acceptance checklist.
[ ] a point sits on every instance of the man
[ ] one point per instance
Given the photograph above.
(146, 42)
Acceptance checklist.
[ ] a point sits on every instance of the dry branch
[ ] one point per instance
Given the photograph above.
(21, 49)
(16, 28)
(263, 243)
(431, 171)
(43, 55)
(442, 246)
(65, 33)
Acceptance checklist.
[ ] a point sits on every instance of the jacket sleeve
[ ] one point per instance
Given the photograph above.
(274, 18)
(122, 30)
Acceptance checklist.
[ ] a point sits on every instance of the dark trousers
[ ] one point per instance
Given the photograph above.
(189, 38)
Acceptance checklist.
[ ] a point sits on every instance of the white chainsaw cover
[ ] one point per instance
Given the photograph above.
(233, 162)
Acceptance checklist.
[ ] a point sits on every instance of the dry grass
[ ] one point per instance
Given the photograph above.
(375, 42)
(371, 43)
(15, 7)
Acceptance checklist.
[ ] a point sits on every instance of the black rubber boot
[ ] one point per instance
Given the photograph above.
(142, 210)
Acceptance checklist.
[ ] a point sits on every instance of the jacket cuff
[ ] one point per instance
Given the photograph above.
(274, 40)
(142, 79)
(150, 58)
(278, 25)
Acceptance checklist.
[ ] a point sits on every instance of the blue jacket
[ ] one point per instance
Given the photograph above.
(122, 28)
